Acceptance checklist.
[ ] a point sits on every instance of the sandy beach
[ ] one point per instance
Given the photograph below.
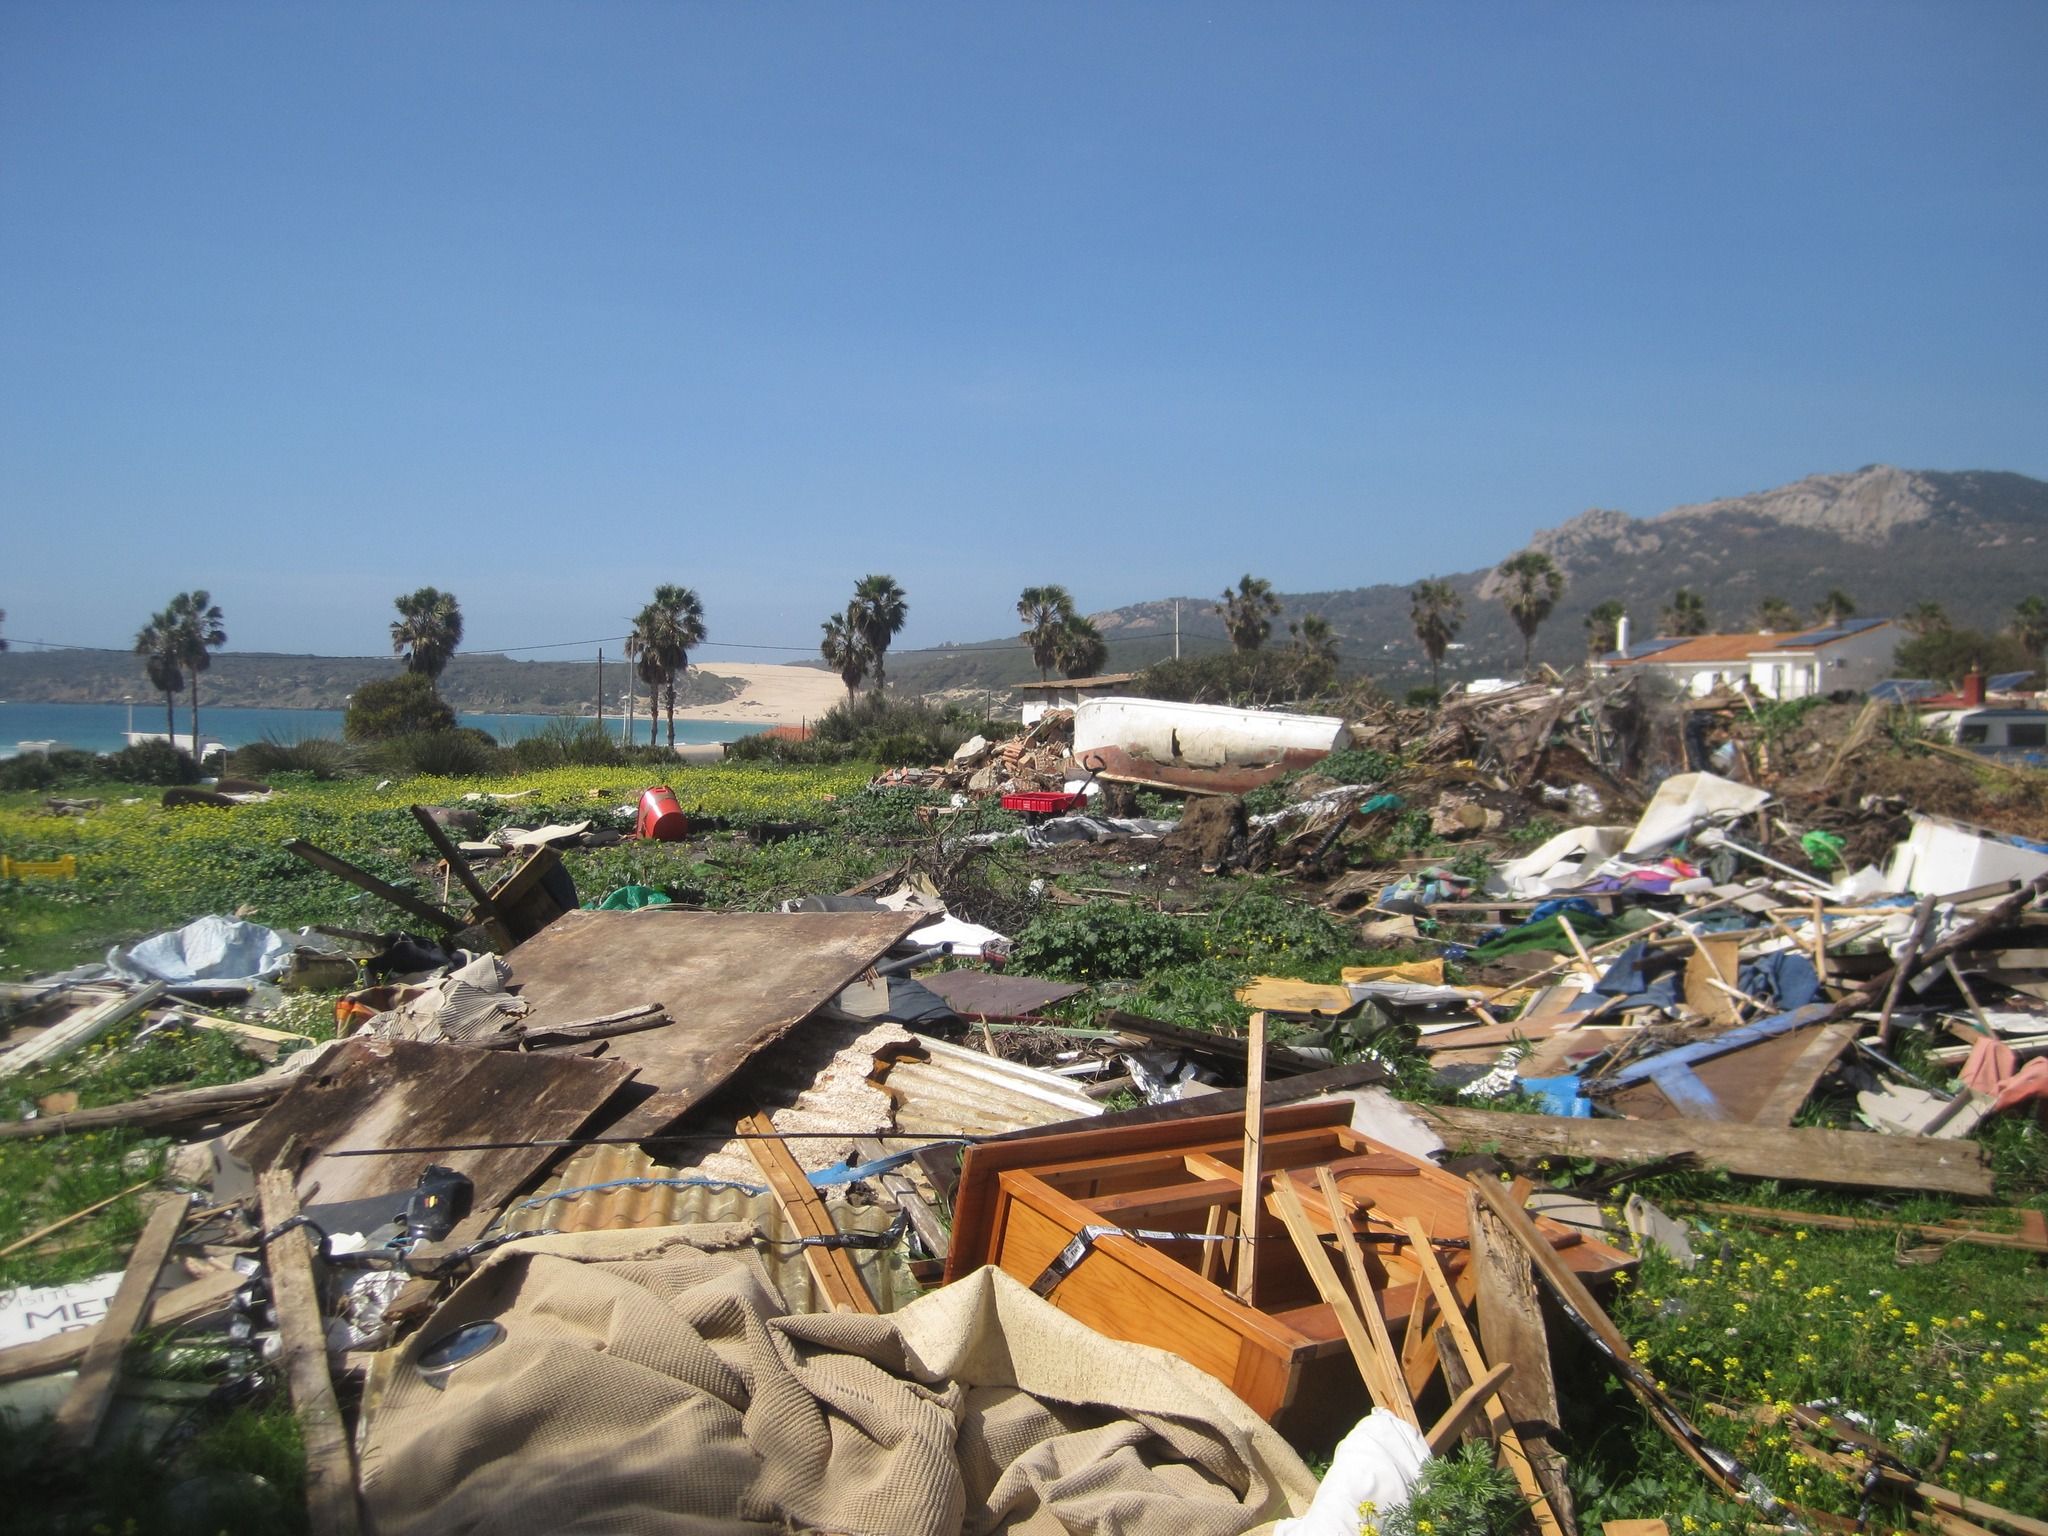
(775, 694)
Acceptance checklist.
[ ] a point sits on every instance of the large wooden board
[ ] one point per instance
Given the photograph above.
(733, 982)
(1848, 1159)
(406, 1093)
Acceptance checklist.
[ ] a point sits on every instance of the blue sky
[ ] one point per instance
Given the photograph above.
(548, 303)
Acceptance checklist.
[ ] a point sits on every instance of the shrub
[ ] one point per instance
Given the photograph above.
(1248, 679)
(1424, 697)
(151, 762)
(38, 770)
(453, 754)
(1104, 940)
(321, 757)
(567, 742)
(405, 705)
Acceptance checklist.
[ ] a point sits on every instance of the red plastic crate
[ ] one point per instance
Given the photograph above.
(1043, 802)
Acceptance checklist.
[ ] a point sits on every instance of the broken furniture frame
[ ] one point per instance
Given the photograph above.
(1058, 1211)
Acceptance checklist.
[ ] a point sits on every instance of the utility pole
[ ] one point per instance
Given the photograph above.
(600, 688)
(1176, 629)
(632, 698)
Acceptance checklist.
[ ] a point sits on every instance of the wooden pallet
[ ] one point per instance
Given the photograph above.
(1021, 1203)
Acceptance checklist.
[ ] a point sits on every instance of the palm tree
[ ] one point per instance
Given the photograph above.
(427, 631)
(664, 634)
(845, 652)
(2030, 625)
(1835, 607)
(1603, 627)
(1079, 650)
(1532, 586)
(1045, 611)
(1927, 618)
(157, 644)
(195, 623)
(1436, 610)
(877, 613)
(1248, 613)
(1687, 614)
(1315, 653)
(642, 653)
(1776, 615)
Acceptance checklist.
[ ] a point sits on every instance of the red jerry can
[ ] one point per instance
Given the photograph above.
(661, 818)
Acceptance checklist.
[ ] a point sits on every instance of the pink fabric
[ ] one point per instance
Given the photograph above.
(1991, 1063)
(1993, 1069)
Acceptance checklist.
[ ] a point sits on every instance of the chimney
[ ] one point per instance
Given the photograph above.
(1621, 634)
(1973, 689)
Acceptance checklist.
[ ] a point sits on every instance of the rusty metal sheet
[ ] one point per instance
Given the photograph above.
(995, 995)
(370, 1092)
(733, 982)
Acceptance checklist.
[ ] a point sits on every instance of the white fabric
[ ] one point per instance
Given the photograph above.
(211, 949)
(1377, 1464)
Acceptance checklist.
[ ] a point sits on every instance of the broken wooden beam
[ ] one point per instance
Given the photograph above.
(1843, 1159)
(330, 1463)
(362, 879)
(1232, 1048)
(79, 1029)
(173, 1309)
(179, 1106)
(83, 1410)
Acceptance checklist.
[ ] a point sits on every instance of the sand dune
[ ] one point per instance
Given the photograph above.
(775, 694)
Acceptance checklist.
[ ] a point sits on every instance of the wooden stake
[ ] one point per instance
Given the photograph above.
(1820, 941)
(64, 1221)
(1585, 960)
(1923, 914)
(1368, 1300)
(1499, 1425)
(1254, 1138)
(1309, 1244)
(330, 1464)
(1465, 1407)
(85, 1407)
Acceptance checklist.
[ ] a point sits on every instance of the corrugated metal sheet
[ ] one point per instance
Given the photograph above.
(556, 1206)
(927, 1088)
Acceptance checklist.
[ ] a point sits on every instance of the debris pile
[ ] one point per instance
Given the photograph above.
(829, 1217)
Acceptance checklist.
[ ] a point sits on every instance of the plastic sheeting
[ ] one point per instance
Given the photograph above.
(219, 950)
(1687, 801)
(1376, 1465)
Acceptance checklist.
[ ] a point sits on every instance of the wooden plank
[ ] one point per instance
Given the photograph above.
(79, 1029)
(1368, 1301)
(1465, 1407)
(369, 1093)
(79, 1417)
(1250, 1175)
(975, 1196)
(457, 864)
(1511, 1329)
(735, 981)
(1499, 1425)
(1324, 1277)
(170, 1310)
(330, 1465)
(832, 1270)
(1846, 1159)
(1714, 960)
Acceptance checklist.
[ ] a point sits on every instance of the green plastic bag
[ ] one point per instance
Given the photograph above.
(1824, 849)
(630, 898)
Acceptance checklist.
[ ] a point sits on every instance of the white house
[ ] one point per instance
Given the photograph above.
(1068, 692)
(1850, 657)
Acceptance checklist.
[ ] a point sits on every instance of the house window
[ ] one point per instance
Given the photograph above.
(1974, 735)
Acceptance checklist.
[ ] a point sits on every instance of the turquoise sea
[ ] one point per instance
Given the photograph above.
(99, 727)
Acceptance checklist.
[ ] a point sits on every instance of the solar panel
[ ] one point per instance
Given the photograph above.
(1903, 690)
(2007, 682)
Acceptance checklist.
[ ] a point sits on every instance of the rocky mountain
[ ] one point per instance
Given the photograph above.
(1974, 541)
(479, 682)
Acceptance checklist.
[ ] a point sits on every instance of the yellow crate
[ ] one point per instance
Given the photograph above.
(65, 868)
